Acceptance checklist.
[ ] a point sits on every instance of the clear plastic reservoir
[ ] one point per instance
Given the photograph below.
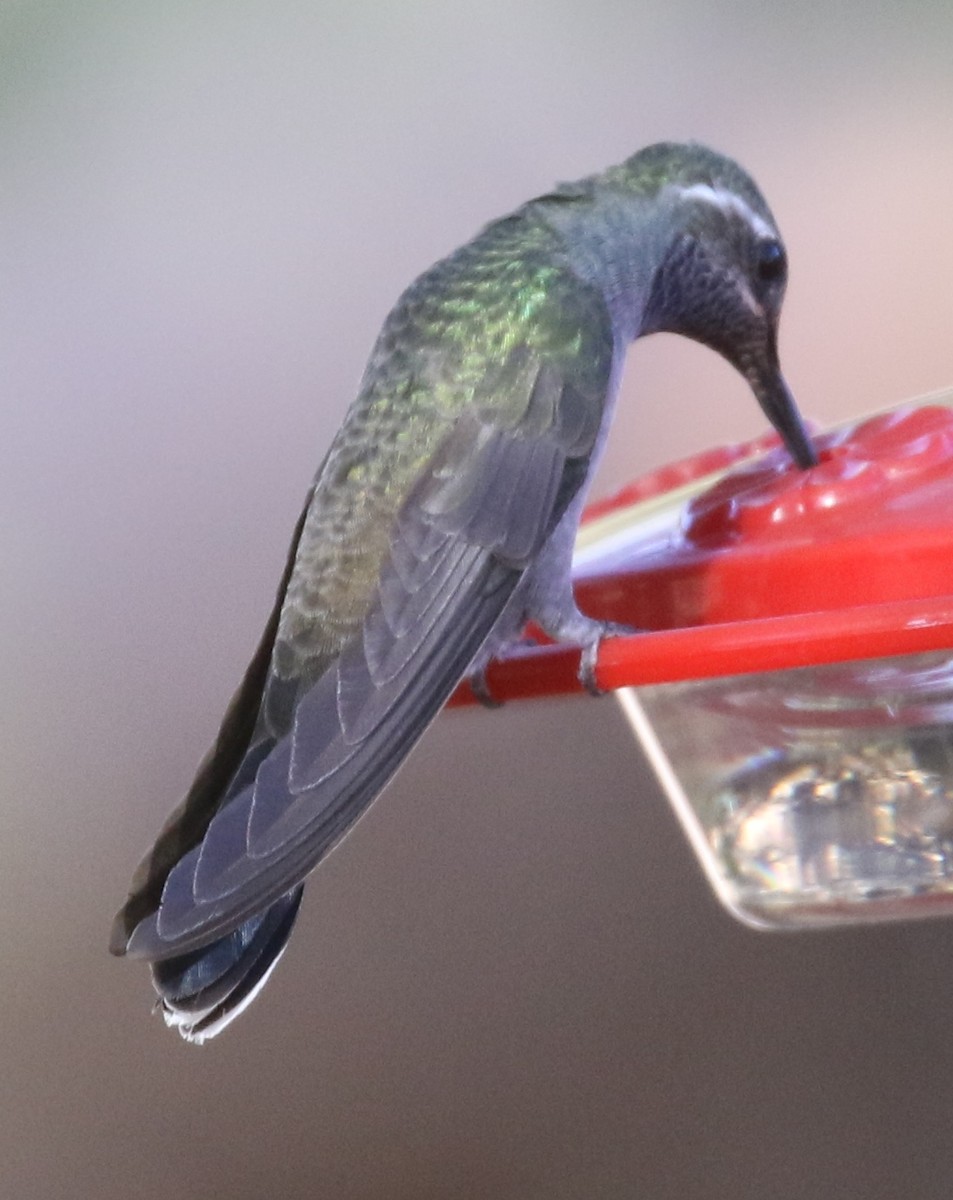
(817, 795)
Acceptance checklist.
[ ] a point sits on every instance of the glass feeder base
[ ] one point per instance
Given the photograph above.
(817, 796)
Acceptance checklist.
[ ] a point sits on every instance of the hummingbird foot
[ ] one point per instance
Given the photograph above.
(590, 652)
(481, 689)
(566, 623)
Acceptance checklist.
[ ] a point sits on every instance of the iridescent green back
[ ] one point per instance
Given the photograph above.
(470, 333)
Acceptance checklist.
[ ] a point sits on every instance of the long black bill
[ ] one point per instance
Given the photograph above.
(778, 405)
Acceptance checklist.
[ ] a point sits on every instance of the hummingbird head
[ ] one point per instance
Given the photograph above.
(722, 270)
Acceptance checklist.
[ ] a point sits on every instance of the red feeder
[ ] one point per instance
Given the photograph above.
(794, 686)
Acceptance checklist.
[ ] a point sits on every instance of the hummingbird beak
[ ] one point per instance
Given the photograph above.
(777, 403)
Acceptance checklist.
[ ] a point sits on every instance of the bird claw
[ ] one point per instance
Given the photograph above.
(593, 633)
(481, 689)
(590, 654)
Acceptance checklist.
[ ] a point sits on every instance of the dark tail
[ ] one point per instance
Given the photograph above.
(202, 992)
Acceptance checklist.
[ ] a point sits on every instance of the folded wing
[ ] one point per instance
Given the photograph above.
(458, 547)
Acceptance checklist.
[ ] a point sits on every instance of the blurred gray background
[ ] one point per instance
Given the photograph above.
(511, 982)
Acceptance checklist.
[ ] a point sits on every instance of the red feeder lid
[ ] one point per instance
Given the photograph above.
(767, 566)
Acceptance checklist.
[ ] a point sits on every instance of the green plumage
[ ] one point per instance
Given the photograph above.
(470, 334)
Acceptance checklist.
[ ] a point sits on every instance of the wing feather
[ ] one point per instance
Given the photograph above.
(229, 758)
(460, 544)
(358, 671)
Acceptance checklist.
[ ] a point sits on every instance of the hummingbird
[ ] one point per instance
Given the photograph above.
(440, 522)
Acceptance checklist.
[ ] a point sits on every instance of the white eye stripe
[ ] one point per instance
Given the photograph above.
(728, 202)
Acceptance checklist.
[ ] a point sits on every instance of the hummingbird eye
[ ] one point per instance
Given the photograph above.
(771, 260)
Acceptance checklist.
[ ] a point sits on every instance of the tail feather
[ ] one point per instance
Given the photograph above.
(202, 992)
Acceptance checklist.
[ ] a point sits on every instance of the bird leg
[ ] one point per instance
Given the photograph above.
(565, 623)
(590, 652)
(476, 678)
